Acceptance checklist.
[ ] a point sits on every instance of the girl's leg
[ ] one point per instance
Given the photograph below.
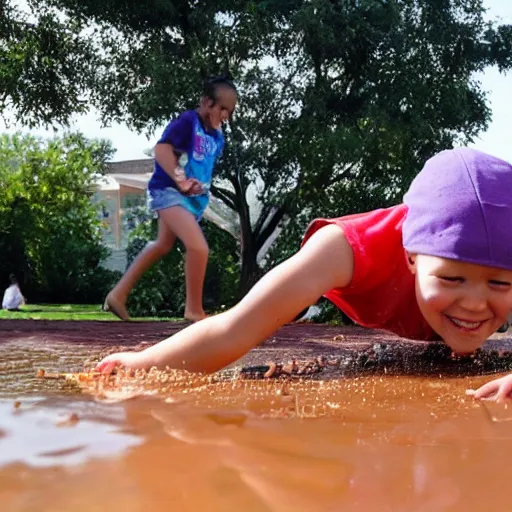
(153, 252)
(184, 225)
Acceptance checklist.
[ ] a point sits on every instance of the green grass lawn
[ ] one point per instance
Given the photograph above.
(69, 312)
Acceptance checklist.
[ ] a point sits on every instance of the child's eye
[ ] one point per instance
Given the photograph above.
(451, 279)
(500, 284)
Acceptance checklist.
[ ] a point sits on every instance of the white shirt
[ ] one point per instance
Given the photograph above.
(13, 298)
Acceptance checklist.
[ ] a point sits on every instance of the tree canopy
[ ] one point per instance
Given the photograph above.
(340, 100)
(50, 235)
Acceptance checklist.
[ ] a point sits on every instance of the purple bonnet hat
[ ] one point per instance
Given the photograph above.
(460, 207)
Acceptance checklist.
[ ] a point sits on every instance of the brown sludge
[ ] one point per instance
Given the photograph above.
(363, 422)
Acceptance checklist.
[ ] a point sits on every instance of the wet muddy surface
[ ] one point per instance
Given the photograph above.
(298, 350)
(317, 418)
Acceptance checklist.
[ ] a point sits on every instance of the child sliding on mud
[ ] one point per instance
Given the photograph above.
(438, 266)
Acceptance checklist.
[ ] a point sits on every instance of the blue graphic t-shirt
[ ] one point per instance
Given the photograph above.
(203, 147)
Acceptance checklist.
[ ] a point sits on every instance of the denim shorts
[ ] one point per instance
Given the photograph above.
(162, 198)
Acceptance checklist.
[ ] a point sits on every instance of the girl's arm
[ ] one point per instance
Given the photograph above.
(168, 161)
(325, 262)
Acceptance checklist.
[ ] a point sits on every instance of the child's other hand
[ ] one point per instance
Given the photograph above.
(121, 359)
(190, 186)
(497, 390)
(197, 188)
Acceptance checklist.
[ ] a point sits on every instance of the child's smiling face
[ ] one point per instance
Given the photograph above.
(464, 303)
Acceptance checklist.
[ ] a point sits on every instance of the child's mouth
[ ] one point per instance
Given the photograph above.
(465, 324)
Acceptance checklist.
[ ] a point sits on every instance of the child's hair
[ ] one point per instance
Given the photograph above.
(12, 279)
(460, 208)
(210, 86)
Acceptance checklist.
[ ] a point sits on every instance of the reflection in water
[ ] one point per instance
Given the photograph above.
(37, 432)
(372, 444)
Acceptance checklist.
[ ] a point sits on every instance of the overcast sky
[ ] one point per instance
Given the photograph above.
(497, 140)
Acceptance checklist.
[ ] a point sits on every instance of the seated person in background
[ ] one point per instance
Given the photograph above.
(13, 297)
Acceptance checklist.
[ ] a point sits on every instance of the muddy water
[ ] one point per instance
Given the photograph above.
(189, 443)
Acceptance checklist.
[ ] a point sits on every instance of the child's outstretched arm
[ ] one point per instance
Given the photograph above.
(497, 390)
(325, 262)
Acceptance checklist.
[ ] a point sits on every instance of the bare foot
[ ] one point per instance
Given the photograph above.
(195, 317)
(116, 306)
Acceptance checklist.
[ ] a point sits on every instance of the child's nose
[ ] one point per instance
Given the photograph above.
(475, 300)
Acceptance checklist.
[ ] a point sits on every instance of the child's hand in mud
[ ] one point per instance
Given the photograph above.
(131, 360)
(497, 390)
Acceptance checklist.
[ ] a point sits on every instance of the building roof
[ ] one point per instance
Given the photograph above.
(142, 166)
(139, 181)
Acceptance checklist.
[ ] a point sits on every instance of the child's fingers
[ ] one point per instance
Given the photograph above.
(195, 186)
(186, 186)
(107, 365)
(486, 391)
(504, 390)
(196, 189)
(498, 390)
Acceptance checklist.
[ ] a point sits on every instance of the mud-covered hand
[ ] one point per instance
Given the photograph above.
(497, 390)
(121, 359)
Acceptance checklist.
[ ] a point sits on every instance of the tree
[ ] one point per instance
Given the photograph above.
(339, 98)
(46, 65)
(49, 229)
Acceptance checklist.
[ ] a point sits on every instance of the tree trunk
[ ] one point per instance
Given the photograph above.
(252, 240)
(249, 274)
(249, 251)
